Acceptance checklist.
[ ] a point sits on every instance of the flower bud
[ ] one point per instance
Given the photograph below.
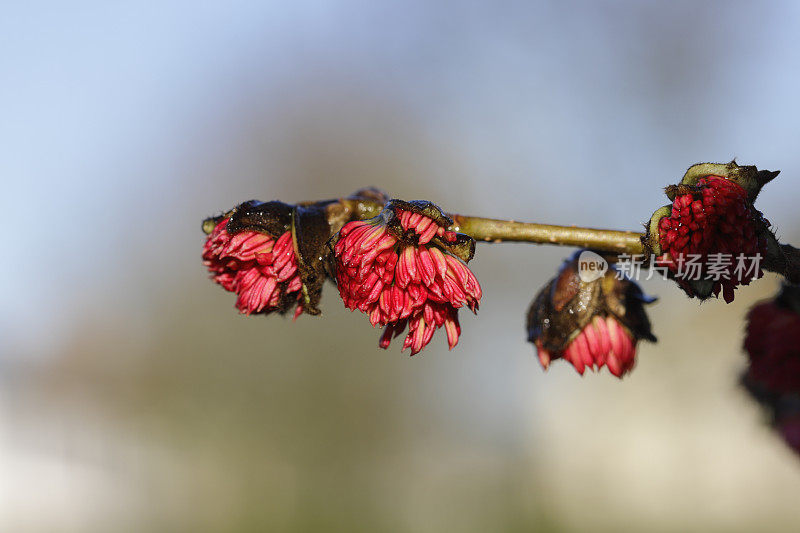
(711, 238)
(405, 268)
(590, 322)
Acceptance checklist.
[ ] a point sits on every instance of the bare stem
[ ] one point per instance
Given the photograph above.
(492, 230)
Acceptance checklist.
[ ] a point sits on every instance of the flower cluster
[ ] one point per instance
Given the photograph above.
(589, 322)
(772, 344)
(711, 238)
(404, 268)
(260, 268)
(712, 218)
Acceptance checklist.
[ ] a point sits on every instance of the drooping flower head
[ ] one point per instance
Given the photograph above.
(255, 258)
(772, 342)
(271, 254)
(711, 238)
(405, 268)
(590, 320)
(772, 377)
(261, 270)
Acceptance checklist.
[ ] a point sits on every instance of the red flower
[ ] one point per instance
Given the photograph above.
(715, 216)
(400, 268)
(604, 341)
(259, 268)
(773, 345)
(591, 322)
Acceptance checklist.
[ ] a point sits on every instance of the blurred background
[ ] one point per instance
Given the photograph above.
(133, 397)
